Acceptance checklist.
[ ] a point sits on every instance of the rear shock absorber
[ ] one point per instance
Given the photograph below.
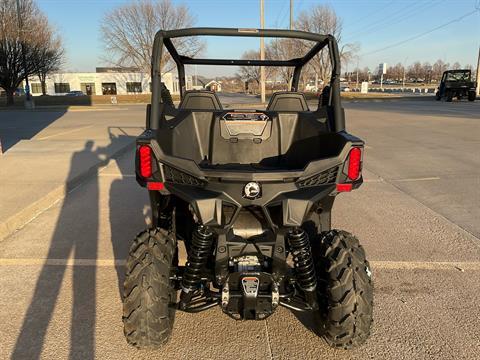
(200, 250)
(303, 262)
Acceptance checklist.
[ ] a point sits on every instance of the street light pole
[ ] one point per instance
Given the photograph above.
(262, 52)
(478, 72)
(291, 14)
(357, 76)
(404, 70)
(28, 100)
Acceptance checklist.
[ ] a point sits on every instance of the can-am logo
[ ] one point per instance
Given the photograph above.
(252, 190)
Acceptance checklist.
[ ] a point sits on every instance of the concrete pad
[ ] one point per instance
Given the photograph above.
(397, 227)
(417, 315)
(425, 140)
(60, 151)
(425, 302)
(76, 313)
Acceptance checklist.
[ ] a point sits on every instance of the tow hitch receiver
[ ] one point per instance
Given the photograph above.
(250, 296)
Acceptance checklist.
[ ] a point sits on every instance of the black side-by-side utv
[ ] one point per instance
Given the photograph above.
(250, 194)
(457, 84)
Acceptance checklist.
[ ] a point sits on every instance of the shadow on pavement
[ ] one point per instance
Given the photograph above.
(17, 125)
(75, 237)
(125, 210)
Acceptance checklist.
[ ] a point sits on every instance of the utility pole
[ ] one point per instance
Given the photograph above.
(404, 71)
(262, 52)
(28, 100)
(478, 72)
(357, 76)
(291, 14)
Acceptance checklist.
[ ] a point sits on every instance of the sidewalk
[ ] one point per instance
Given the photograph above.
(48, 154)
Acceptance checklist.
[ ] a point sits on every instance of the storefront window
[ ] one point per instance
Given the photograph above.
(36, 88)
(134, 87)
(109, 88)
(62, 88)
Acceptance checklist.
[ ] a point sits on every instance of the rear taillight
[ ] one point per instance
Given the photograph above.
(145, 158)
(355, 163)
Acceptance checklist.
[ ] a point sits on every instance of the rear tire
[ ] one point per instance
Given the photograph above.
(449, 97)
(345, 286)
(471, 96)
(149, 294)
(437, 96)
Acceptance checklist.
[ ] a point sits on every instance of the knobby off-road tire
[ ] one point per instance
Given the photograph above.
(449, 96)
(149, 295)
(345, 286)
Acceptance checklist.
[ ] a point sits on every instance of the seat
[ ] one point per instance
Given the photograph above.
(324, 97)
(287, 101)
(200, 100)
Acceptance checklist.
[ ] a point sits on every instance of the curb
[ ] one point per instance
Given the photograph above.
(27, 214)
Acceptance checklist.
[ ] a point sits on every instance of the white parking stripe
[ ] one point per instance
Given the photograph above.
(375, 264)
(418, 179)
(64, 132)
(62, 262)
(116, 175)
(425, 265)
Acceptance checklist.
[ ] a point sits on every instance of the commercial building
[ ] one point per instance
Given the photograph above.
(105, 81)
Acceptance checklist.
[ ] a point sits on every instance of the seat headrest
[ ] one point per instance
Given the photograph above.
(200, 100)
(287, 101)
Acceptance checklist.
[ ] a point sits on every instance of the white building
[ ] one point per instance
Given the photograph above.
(102, 82)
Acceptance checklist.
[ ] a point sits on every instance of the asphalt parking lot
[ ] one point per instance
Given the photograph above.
(417, 215)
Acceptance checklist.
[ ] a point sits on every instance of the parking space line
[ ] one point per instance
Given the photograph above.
(62, 262)
(417, 179)
(116, 175)
(376, 264)
(425, 265)
(64, 132)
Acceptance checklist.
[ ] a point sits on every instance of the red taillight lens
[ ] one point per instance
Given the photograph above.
(354, 163)
(344, 187)
(155, 186)
(145, 157)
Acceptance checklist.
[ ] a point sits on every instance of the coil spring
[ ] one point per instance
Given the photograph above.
(200, 250)
(302, 259)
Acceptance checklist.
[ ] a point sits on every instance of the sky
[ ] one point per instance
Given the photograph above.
(384, 30)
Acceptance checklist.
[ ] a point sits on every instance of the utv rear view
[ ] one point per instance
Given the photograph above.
(249, 194)
(457, 84)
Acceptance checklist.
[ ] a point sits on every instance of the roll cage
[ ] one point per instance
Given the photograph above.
(164, 37)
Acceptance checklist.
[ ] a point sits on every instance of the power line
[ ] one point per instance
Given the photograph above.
(397, 18)
(370, 14)
(424, 33)
(277, 23)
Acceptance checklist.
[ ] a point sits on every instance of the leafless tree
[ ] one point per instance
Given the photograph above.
(322, 19)
(284, 49)
(427, 70)
(31, 40)
(438, 68)
(415, 71)
(252, 73)
(51, 55)
(128, 32)
(395, 72)
(456, 65)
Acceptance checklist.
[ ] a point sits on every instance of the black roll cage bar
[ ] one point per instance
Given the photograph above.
(164, 37)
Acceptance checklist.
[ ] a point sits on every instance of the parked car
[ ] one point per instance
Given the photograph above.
(75, 93)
